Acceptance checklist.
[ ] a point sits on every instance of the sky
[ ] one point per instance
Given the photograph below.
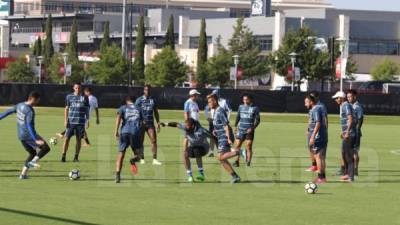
(388, 5)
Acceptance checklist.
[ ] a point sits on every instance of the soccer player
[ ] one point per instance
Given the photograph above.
(93, 107)
(223, 103)
(27, 133)
(359, 120)
(348, 135)
(76, 116)
(191, 108)
(195, 145)
(316, 96)
(247, 120)
(317, 135)
(223, 133)
(128, 134)
(150, 112)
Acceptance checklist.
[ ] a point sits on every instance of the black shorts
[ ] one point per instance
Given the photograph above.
(245, 136)
(129, 140)
(31, 146)
(75, 129)
(197, 151)
(149, 125)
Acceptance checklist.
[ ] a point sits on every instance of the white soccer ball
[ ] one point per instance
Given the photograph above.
(53, 141)
(74, 174)
(310, 188)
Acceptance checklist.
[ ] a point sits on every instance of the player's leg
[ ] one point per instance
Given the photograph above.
(135, 141)
(86, 139)
(118, 165)
(238, 144)
(43, 150)
(320, 156)
(61, 134)
(80, 132)
(228, 167)
(212, 140)
(151, 132)
(199, 152)
(356, 153)
(68, 134)
(186, 162)
(249, 150)
(141, 151)
(31, 154)
(348, 154)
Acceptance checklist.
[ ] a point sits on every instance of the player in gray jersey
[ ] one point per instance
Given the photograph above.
(359, 118)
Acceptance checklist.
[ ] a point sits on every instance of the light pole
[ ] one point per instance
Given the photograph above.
(236, 62)
(40, 59)
(342, 42)
(65, 57)
(293, 59)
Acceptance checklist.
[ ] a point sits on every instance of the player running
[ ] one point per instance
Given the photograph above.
(149, 108)
(247, 120)
(316, 96)
(27, 133)
(195, 145)
(76, 116)
(359, 120)
(191, 108)
(223, 103)
(317, 135)
(348, 135)
(224, 135)
(128, 134)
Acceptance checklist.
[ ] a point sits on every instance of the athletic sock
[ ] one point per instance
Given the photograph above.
(154, 156)
(118, 173)
(201, 171)
(24, 170)
(189, 173)
(234, 174)
(320, 176)
(76, 156)
(342, 168)
(35, 159)
(314, 163)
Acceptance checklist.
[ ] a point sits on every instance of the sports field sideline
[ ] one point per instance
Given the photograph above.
(271, 192)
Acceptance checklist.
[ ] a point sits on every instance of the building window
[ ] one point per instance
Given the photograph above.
(194, 42)
(374, 47)
(265, 42)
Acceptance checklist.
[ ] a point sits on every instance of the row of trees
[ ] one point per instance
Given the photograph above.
(386, 70)
(166, 68)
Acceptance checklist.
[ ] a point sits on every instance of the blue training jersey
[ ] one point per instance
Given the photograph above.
(248, 116)
(347, 110)
(358, 112)
(25, 121)
(132, 119)
(192, 108)
(198, 137)
(220, 120)
(78, 109)
(317, 114)
(147, 105)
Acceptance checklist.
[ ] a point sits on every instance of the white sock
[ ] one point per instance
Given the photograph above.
(24, 170)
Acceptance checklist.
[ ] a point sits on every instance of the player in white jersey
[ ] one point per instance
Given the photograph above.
(93, 107)
(191, 108)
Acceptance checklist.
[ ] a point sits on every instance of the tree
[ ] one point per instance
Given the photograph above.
(218, 66)
(246, 46)
(112, 68)
(73, 41)
(105, 42)
(37, 47)
(166, 69)
(19, 71)
(170, 36)
(57, 70)
(48, 48)
(202, 53)
(138, 66)
(385, 70)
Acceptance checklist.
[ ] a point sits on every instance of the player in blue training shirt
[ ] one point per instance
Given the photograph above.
(128, 128)
(359, 118)
(247, 120)
(224, 135)
(150, 112)
(27, 133)
(347, 134)
(195, 145)
(316, 96)
(317, 137)
(76, 116)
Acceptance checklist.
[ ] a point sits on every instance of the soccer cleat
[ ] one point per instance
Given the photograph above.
(117, 179)
(340, 172)
(235, 179)
(190, 179)
(235, 164)
(33, 164)
(320, 181)
(201, 178)
(134, 168)
(346, 178)
(248, 164)
(76, 160)
(142, 162)
(23, 177)
(156, 162)
(312, 169)
(63, 159)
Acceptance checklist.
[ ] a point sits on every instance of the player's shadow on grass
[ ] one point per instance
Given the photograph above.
(60, 219)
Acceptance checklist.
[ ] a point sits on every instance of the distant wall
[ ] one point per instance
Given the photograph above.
(174, 98)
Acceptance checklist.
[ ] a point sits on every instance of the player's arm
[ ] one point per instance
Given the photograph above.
(157, 117)
(66, 109)
(360, 119)
(172, 124)
(31, 129)
(8, 112)
(228, 109)
(117, 125)
(186, 111)
(257, 119)
(87, 109)
(349, 125)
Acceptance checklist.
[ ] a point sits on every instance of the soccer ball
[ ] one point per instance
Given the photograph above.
(53, 141)
(74, 174)
(310, 188)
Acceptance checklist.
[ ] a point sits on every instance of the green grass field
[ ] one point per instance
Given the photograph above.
(271, 192)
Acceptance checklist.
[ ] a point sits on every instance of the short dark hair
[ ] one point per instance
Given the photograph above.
(77, 83)
(315, 94)
(147, 86)
(353, 92)
(34, 95)
(215, 97)
(130, 98)
(248, 95)
(312, 98)
(88, 89)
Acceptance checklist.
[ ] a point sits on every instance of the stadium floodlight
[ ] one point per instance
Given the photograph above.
(236, 62)
(65, 57)
(40, 60)
(293, 56)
